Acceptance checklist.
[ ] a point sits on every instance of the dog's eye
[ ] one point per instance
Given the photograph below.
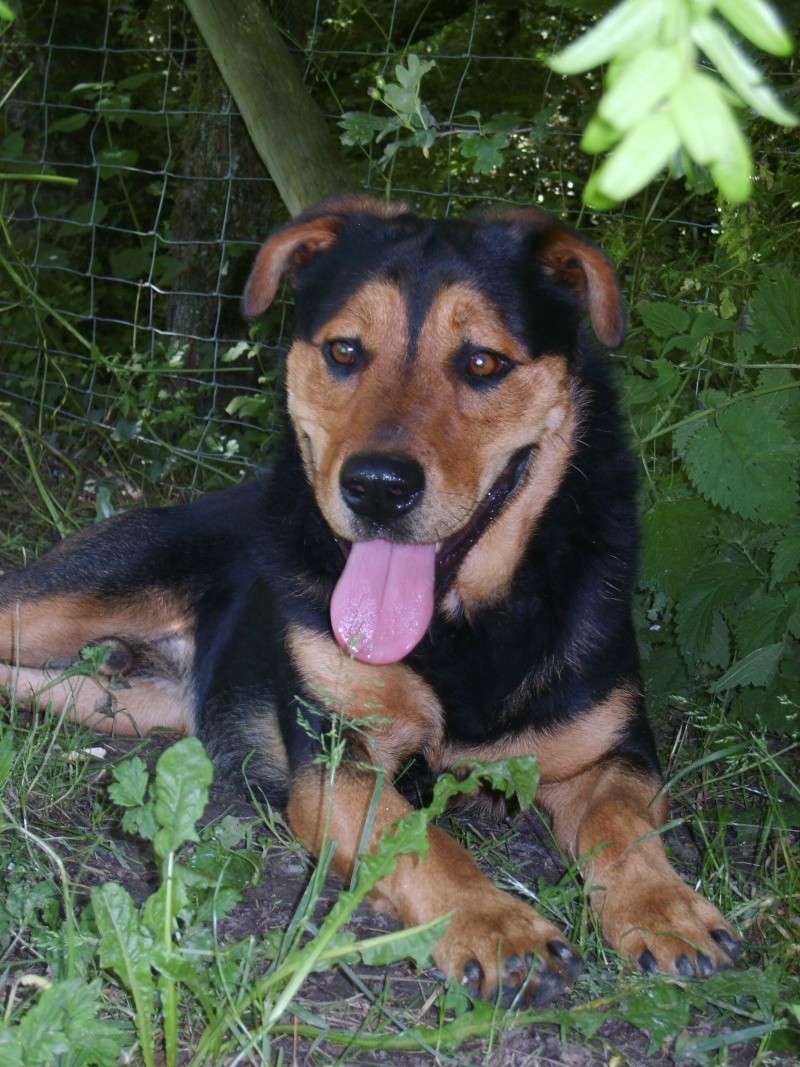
(484, 364)
(481, 367)
(342, 352)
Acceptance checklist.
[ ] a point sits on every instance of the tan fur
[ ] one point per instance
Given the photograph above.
(486, 574)
(487, 924)
(562, 751)
(608, 817)
(407, 716)
(419, 406)
(128, 711)
(37, 631)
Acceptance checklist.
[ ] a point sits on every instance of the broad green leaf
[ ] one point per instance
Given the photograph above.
(742, 75)
(124, 947)
(786, 557)
(703, 117)
(130, 783)
(70, 123)
(757, 668)
(598, 136)
(5, 12)
(361, 128)
(630, 23)
(758, 21)
(776, 311)
(180, 792)
(641, 86)
(141, 821)
(641, 155)
(709, 589)
(677, 536)
(485, 153)
(758, 622)
(732, 174)
(62, 1027)
(745, 463)
(663, 319)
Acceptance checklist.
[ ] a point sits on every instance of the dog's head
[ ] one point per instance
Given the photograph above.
(429, 370)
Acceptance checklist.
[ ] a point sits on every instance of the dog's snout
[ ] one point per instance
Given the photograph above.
(381, 486)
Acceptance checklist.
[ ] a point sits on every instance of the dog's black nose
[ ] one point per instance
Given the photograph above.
(381, 486)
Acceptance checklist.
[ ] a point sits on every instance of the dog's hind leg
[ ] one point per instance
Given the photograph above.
(111, 586)
(131, 709)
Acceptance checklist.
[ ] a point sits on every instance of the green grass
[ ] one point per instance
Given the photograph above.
(263, 962)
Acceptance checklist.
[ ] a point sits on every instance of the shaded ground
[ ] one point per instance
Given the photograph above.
(519, 855)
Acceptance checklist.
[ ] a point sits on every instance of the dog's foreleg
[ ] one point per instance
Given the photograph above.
(609, 817)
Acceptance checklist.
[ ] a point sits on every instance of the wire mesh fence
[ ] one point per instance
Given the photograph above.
(119, 296)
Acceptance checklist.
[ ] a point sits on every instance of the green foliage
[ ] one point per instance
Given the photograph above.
(63, 1027)
(721, 553)
(658, 103)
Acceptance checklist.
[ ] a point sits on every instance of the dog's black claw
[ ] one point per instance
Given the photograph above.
(704, 965)
(647, 962)
(473, 975)
(727, 943)
(567, 955)
(515, 966)
(683, 965)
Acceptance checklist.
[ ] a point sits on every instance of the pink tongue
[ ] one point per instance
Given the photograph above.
(383, 602)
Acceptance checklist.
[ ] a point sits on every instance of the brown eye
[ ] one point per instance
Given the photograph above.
(345, 353)
(483, 364)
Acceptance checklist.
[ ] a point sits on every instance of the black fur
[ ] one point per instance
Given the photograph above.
(255, 559)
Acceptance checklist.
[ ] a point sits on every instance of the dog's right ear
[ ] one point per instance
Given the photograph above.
(298, 241)
(287, 249)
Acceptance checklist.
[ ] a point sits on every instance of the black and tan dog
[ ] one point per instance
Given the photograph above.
(445, 548)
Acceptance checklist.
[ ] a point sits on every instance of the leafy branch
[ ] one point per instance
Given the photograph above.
(660, 107)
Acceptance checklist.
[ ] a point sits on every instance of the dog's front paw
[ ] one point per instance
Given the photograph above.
(501, 949)
(665, 926)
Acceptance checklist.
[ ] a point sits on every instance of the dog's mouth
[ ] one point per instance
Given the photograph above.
(383, 603)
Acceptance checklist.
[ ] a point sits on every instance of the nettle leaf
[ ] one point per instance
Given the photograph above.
(709, 589)
(183, 775)
(757, 669)
(759, 622)
(776, 311)
(745, 463)
(717, 652)
(676, 539)
(130, 783)
(664, 320)
(786, 557)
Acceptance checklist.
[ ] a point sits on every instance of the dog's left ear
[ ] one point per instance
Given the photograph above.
(309, 235)
(583, 268)
(287, 249)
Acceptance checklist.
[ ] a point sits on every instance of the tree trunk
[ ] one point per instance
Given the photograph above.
(287, 128)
